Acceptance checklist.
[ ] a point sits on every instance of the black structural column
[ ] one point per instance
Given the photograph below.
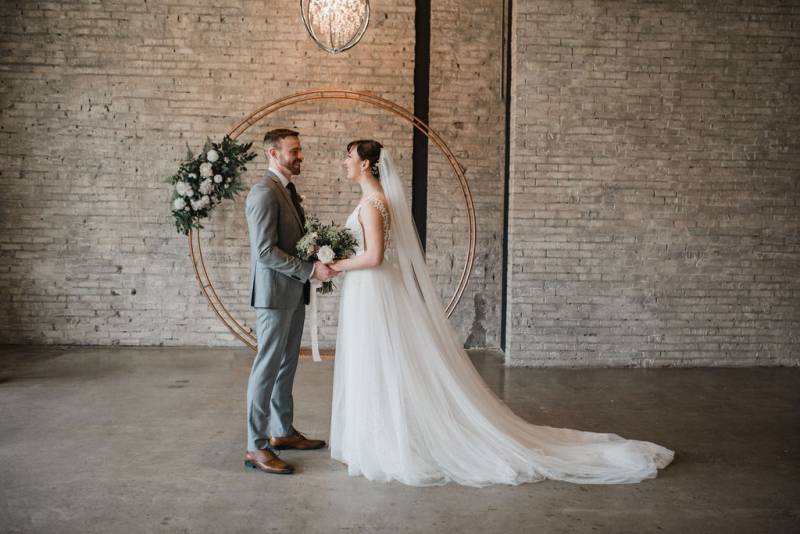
(507, 173)
(422, 75)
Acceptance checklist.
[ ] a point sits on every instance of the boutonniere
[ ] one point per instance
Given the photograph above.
(302, 198)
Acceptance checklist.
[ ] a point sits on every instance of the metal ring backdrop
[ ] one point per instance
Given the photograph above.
(195, 248)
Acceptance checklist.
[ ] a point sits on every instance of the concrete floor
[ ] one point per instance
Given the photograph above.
(151, 440)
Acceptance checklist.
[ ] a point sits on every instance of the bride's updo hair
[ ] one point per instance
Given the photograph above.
(370, 150)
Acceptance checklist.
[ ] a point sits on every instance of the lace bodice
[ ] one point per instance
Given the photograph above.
(354, 224)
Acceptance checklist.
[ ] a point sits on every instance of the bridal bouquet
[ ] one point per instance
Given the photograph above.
(325, 243)
(202, 181)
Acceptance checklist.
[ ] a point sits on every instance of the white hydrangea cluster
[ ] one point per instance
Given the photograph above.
(201, 203)
(206, 186)
(184, 189)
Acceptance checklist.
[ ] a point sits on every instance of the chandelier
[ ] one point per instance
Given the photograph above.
(335, 25)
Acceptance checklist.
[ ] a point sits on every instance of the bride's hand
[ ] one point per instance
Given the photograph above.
(334, 265)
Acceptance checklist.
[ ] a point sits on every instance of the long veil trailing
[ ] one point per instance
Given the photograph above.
(406, 246)
(409, 405)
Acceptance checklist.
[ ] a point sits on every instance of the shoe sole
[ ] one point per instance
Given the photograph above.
(290, 448)
(250, 465)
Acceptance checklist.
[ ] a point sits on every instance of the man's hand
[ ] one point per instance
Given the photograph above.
(322, 272)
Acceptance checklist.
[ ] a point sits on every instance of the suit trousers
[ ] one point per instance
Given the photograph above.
(270, 406)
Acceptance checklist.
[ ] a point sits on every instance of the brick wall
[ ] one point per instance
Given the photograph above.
(655, 184)
(97, 104)
(654, 189)
(468, 110)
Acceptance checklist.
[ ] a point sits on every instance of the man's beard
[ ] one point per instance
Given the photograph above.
(294, 167)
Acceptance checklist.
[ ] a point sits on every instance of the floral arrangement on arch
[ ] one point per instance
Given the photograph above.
(203, 181)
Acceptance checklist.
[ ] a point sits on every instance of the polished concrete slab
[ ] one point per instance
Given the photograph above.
(151, 440)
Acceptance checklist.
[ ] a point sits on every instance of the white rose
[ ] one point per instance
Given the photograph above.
(195, 205)
(206, 170)
(186, 208)
(218, 179)
(181, 188)
(206, 187)
(205, 200)
(212, 156)
(179, 203)
(326, 254)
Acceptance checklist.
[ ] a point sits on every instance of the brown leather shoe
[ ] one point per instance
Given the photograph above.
(272, 464)
(296, 440)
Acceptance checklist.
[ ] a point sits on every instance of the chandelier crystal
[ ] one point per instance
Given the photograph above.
(335, 25)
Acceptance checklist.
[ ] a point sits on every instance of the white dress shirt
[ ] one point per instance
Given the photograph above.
(284, 180)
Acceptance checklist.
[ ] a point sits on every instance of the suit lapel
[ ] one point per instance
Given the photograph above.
(287, 199)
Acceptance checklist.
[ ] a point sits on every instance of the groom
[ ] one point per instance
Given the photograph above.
(279, 291)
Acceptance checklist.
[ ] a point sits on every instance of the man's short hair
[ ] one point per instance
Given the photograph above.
(273, 137)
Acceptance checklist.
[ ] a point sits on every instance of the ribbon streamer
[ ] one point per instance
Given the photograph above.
(315, 284)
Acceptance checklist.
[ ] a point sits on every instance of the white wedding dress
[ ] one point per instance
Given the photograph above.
(408, 405)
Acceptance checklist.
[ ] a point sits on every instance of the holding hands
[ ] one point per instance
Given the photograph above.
(323, 273)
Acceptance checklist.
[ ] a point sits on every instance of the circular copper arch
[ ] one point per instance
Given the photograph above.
(196, 251)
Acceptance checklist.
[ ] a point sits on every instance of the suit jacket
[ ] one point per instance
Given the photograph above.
(278, 279)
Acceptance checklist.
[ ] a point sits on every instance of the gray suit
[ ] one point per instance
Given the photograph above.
(279, 293)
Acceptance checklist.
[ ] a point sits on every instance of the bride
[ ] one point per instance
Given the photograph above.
(407, 403)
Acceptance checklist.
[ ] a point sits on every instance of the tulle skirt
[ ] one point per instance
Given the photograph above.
(409, 406)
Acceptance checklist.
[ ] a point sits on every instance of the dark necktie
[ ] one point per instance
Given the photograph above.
(296, 201)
